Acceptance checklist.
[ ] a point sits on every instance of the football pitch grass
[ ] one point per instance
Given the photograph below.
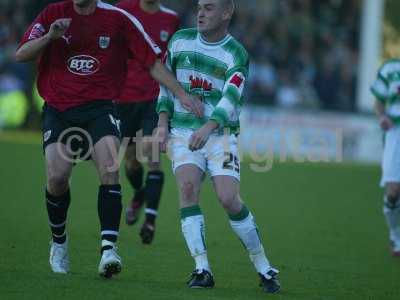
(321, 224)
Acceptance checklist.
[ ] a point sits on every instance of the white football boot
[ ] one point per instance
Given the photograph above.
(395, 242)
(59, 261)
(110, 263)
(395, 247)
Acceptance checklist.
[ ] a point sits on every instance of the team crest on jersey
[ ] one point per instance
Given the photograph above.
(164, 35)
(104, 42)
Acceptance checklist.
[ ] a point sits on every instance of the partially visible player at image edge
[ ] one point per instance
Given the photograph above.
(386, 90)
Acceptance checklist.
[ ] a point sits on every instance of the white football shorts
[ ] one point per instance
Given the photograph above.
(220, 155)
(391, 157)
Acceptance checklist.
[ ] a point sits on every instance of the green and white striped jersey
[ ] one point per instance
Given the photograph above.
(386, 87)
(215, 71)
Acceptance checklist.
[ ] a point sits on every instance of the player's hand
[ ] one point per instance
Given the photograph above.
(199, 138)
(193, 104)
(385, 123)
(58, 28)
(161, 137)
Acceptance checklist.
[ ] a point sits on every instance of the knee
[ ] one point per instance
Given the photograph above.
(109, 173)
(57, 182)
(229, 201)
(188, 191)
(393, 193)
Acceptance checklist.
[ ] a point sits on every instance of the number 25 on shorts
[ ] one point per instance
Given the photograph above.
(231, 162)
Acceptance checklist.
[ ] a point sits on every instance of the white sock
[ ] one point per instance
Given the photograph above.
(247, 232)
(193, 229)
(392, 215)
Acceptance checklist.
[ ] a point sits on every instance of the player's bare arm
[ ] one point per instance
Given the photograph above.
(200, 137)
(32, 49)
(384, 121)
(161, 74)
(162, 131)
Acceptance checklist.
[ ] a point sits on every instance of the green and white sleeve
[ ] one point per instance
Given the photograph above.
(380, 89)
(231, 100)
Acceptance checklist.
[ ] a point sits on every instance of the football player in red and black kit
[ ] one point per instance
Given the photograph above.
(82, 48)
(137, 111)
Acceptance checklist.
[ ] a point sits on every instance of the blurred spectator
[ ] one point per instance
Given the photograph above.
(288, 95)
(13, 20)
(326, 83)
(262, 82)
(312, 44)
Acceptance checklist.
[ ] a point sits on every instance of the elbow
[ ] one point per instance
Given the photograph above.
(20, 56)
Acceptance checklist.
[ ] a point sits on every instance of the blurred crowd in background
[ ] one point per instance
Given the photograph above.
(304, 53)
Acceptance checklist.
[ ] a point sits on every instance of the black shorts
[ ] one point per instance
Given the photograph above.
(81, 127)
(138, 116)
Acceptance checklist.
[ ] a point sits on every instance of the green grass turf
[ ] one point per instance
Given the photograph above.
(321, 224)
